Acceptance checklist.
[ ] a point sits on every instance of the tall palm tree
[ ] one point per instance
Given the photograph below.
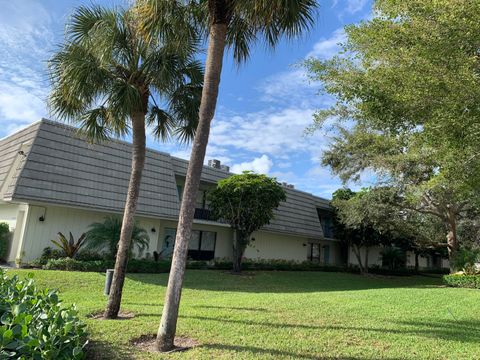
(235, 24)
(112, 79)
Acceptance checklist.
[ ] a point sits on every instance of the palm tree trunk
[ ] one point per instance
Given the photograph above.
(128, 223)
(213, 69)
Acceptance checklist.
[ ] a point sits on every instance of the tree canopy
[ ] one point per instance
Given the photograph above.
(407, 92)
(246, 202)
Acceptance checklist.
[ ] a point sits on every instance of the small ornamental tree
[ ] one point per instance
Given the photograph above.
(246, 202)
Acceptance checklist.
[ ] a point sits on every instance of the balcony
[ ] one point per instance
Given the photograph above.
(203, 214)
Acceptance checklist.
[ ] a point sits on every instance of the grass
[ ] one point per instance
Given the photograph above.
(288, 315)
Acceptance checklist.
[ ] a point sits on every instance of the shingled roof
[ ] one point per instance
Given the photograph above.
(49, 162)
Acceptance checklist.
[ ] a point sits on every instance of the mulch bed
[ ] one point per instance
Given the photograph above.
(122, 315)
(147, 343)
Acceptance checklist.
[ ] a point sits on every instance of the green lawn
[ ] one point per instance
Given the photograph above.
(297, 315)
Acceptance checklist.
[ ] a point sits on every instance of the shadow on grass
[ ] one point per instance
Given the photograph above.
(257, 351)
(287, 281)
(229, 308)
(463, 331)
(101, 350)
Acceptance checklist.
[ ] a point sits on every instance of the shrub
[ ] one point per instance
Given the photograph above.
(106, 235)
(34, 325)
(465, 260)
(460, 280)
(134, 265)
(69, 246)
(47, 254)
(88, 255)
(4, 241)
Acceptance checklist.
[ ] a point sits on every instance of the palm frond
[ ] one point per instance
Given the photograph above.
(105, 235)
(161, 122)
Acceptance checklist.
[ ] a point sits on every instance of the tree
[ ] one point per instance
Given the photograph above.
(408, 78)
(236, 24)
(106, 235)
(361, 222)
(247, 202)
(111, 78)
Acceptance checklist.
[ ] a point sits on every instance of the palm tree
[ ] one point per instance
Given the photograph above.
(106, 236)
(235, 24)
(112, 79)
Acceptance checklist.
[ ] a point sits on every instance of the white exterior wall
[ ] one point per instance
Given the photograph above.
(38, 234)
(223, 243)
(8, 214)
(274, 246)
(267, 245)
(15, 216)
(374, 256)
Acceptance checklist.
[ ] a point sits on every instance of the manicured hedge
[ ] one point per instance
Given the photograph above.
(4, 241)
(134, 265)
(34, 325)
(460, 280)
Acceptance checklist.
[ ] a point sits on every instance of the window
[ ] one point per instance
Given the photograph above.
(326, 254)
(314, 252)
(326, 221)
(180, 191)
(200, 247)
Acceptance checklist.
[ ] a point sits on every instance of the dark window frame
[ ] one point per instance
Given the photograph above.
(200, 254)
(310, 253)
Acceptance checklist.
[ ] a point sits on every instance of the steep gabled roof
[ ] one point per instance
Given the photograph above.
(60, 167)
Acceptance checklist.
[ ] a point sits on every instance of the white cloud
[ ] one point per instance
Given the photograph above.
(328, 47)
(272, 132)
(349, 6)
(354, 6)
(261, 165)
(25, 41)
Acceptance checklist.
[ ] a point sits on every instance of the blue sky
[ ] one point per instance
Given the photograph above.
(263, 108)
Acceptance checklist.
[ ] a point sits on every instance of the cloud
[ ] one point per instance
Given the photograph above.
(354, 6)
(349, 6)
(328, 47)
(25, 40)
(261, 165)
(272, 132)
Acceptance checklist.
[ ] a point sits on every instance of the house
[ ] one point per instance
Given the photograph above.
(52, 179)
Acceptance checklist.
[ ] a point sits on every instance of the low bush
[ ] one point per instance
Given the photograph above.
(134, 265)
(460, 280)
(4, 241)
(34, 325)
(278, 265)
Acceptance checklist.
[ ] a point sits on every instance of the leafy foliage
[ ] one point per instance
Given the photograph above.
(69, 247)
(247, 22)
(460, 280)
(106, 235)
(107, 71)
(4, 241)
(407, 91)
(247, 202)
(133, 266)
(34, 325)
(466, 259)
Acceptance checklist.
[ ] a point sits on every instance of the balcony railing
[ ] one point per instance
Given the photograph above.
(203, 214)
